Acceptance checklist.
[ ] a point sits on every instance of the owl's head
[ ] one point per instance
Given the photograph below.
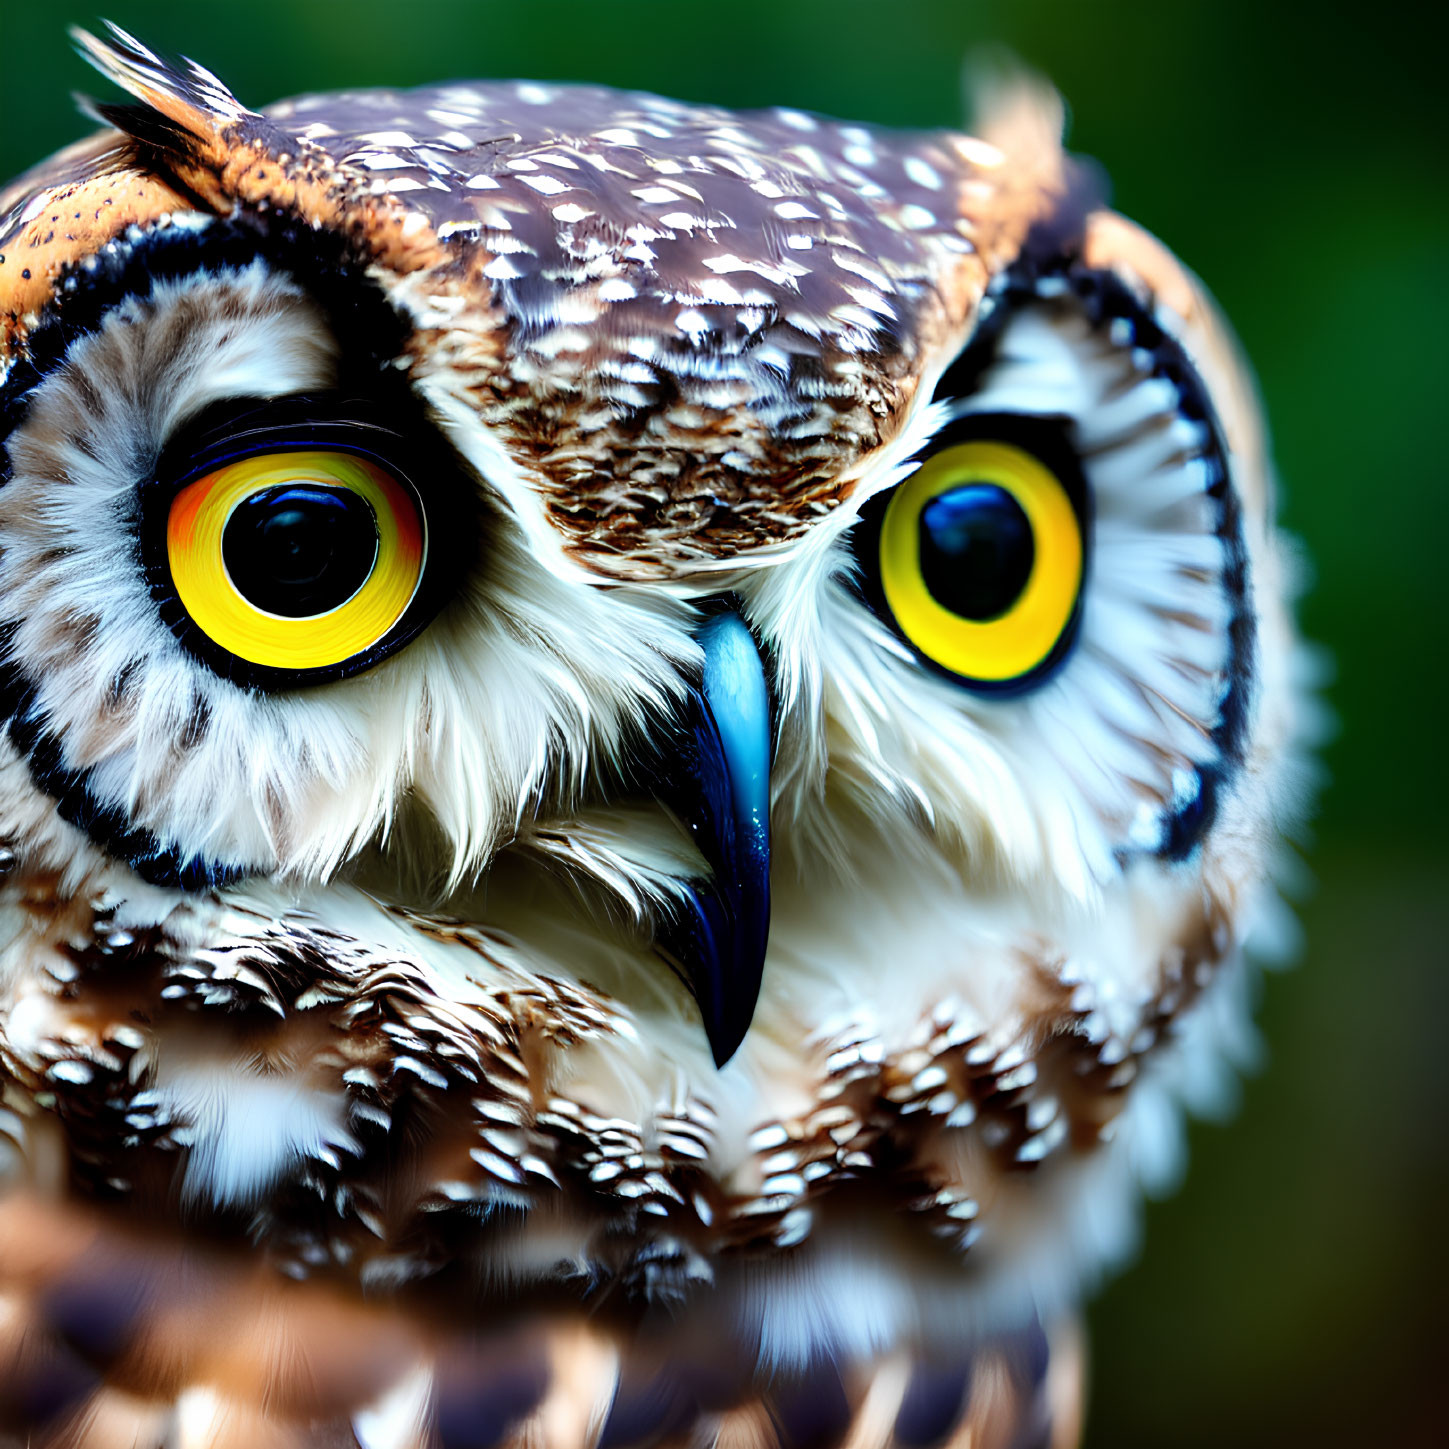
(771, 629)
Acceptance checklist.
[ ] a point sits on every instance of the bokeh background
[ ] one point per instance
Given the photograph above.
(1294, 1290)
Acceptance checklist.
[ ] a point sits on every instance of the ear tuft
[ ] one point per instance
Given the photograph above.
(179, 96)
(1015, 109)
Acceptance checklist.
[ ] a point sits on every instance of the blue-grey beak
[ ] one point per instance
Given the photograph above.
(718, 783)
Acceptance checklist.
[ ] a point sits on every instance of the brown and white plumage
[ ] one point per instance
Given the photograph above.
(349, 1092)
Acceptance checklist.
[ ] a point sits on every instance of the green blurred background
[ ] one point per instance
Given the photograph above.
(1294, 1291)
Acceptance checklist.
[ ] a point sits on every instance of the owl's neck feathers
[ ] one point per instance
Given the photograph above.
(272, 1062)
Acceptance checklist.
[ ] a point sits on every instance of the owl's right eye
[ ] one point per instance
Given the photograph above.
(288, 552)
(298, 560)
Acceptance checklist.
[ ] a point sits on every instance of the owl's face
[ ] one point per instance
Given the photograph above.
(655, 702)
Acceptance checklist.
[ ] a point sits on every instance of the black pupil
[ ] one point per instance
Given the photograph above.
(300, 549)
(976, 550)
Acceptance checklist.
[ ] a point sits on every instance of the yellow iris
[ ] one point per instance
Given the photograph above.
(1022, 636)
(197, 522)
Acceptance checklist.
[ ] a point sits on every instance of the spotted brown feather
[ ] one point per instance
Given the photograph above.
(692, 329)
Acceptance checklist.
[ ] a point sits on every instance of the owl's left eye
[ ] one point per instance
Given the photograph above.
(979, 556)
(282, 564)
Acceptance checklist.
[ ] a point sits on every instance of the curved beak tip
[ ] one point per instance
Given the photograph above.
(718, 783)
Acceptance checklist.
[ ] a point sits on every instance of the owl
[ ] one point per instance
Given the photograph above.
(644, 749)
